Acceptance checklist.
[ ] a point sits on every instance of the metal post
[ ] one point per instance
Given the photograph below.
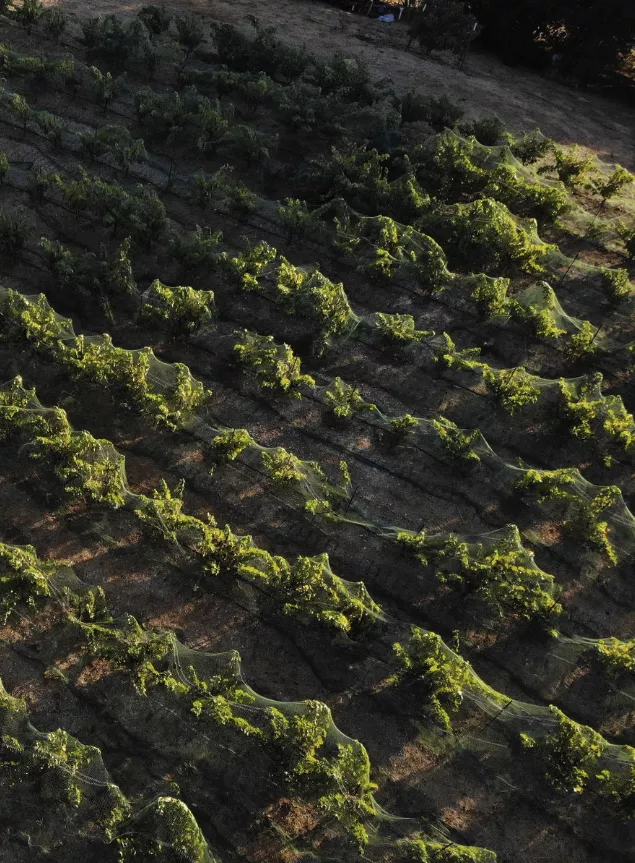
(350, 500)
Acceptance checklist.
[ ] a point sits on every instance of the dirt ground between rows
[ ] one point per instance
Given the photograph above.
(522, 99)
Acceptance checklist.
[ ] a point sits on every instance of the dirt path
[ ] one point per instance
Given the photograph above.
(522, 99)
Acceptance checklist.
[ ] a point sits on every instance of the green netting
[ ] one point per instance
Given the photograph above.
(58, 799)
(181, 309)
(167, 392)
(541, 299)
(84, 465)
(385, 245)
(578, 402)
(569, 494)
(501, 569)
(388, 249)
(598, 221)
(196, 707)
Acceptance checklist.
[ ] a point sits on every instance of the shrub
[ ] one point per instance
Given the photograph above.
(439, 111)
(346, 400)
(499, 570)
(548, 484)
(488, 131)
(620, 789)
(28, 14)
(263, 52)
(442, 25)
(246, 268)
(14, 233)
(228, 445)
(156, 18)
(104, 88)
(20, 108)
(190, 32)
(402, 426)
(116, 141)
(166, 823)
(180, 310)
(275, 365)
(616, 284)
(530, 146)
(617, 657)
(526, 199)
(489, 295)
(456, 442)
(541, 313)
(614, 184)
(627, 235)
(55, 22)
(400, 329)
(585, 524)
(503, 574)
(139, 212)
(439, 674)
(114, 42)
(568, 754)
(200, 248)
(249, 144)
(465, 359)
(283, 467)
(51, 126)
(582, 343)
(298, 220)
(514, 388)
(311, 294)
(571, 167)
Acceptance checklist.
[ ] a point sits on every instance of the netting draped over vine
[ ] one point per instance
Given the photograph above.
(167, 392)
(197, 707)
(94, 467)
(58, 795)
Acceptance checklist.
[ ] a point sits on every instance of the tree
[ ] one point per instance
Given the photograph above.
(51, 126)
(28, 13)
(156, 18)
(443, 25)
(55, 22)
(592, 36)
(190, 32)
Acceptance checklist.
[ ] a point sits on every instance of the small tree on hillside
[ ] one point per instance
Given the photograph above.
(443, 25)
